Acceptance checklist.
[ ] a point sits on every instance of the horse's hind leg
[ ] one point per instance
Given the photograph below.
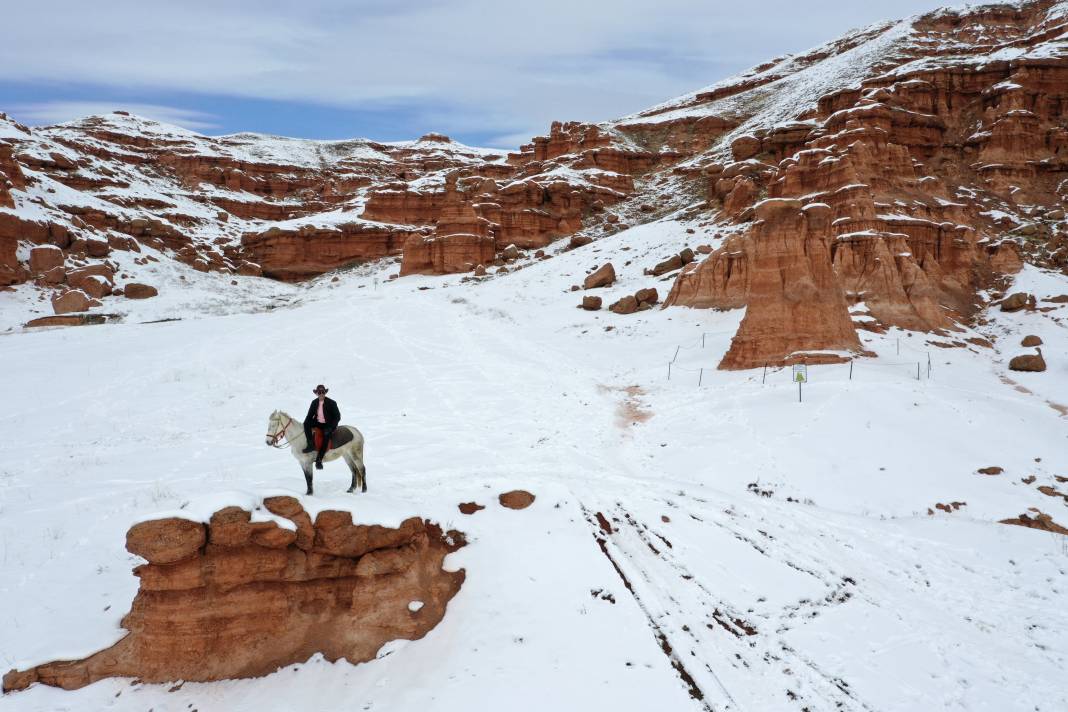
(363, 477)
(352, 468)
(306, 466)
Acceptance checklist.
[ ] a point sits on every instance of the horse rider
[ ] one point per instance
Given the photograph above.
(323, 414)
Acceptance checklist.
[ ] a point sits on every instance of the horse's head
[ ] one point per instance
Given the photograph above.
(276, 428)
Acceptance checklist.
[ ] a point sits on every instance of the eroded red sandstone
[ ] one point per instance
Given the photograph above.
(255, 596)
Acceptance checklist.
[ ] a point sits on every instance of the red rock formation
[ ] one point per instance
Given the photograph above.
(11, 177)
(796, 306)
(445, 254)
(1037, 520)
(909, 164)
(235, 599)
(461, 241)
(941, 153)
(11, 270)
(300, 253)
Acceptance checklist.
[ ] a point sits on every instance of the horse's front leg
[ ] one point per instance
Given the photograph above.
(306, 466)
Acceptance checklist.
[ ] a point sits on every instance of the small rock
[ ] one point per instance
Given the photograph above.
(579, 241)
(991, 470)
(591, 303)
(97, 248)
(647, 296)
(136, 290)
(73, 300)
(705, 249)
(1031, 340)
(603, 277)
(626, 305)
(469, 507)
(480, 271)
(516, 499)
(45, 257)
(56, 275)
(669, 265)
(1028, 362)
(1016, 302)
(510, 253)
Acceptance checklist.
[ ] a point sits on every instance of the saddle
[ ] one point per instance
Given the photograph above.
(341, 436)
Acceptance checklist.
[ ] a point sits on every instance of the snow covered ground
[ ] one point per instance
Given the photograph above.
(764, 554)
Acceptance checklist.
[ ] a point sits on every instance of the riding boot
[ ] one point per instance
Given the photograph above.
(310, 437)
(328, 433)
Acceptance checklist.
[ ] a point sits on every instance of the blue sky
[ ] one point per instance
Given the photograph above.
(486, 73)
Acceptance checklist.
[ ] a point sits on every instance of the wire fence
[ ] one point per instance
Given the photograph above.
(916, 365)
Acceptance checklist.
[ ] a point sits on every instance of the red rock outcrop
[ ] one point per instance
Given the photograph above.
(299, 253)
(907, 169)
(795, 304)
(264, 195)
(461, 241)
(939, 147)
(236, 598)
(1037, 520)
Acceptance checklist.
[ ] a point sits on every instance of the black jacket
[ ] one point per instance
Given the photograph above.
(330, 410)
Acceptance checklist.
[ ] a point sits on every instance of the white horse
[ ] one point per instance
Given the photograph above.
(283, 431)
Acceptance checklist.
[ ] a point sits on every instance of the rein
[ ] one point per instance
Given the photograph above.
(274, 437)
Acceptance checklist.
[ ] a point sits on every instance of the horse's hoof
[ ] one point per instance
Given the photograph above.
(351, 490)
(364, 488)
(309, 492)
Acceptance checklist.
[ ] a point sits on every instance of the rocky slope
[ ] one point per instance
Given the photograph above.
(887, 178)
(241, 598)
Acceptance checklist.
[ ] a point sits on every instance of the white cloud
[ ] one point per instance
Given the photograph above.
(57, 112)
(479, 65)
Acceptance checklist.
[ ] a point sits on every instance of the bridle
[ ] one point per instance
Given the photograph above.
(281, 433)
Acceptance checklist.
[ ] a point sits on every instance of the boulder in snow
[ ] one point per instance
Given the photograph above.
(602, 277)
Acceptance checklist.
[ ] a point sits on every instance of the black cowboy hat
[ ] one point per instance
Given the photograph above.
(322, 388)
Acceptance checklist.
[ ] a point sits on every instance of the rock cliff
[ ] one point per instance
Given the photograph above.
(909, 166)
(929, 171)
(240, 598)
